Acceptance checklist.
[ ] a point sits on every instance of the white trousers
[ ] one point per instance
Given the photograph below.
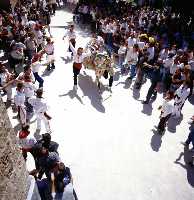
(40, 117)
(50, 59)
(22, 114)
(8, 89)
(177, 109)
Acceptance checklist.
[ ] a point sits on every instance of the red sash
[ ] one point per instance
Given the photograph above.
(77, 65)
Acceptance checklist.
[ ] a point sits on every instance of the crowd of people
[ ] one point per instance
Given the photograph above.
(145, 42)
(25, 40)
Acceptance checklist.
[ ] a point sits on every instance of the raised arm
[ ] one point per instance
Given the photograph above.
(72, 48)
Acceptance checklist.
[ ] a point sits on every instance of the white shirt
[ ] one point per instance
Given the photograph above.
(167, 108)
(3, 78)
(168, 62)
(21, 77)
(122, 50)
(100, 40)
(141, 45)
(49, 49)
(131, 41)
(132, 56)
(70, 35)
(163, 54)
(36, 66)
(29, 89)
(39, 36)
(19, 99)
(109, 28)
(38, 104)
(182, 92)
(76, 57)
(85, 10)
(151, 52)
(174, 67)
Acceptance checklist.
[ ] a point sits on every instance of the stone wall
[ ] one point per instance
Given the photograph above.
(13, 174)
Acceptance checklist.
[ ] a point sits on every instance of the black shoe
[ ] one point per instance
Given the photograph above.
(53, 66)
(48, 67)
(145, 102)
(155, 94)
(161, 132)
(185, 144)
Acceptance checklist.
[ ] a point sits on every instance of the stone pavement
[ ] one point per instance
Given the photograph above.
(109, 144)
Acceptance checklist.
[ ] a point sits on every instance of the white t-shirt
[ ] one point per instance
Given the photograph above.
(38, 104)
(39, 37)
(132, 56)
(131, 41)
(70, 35)
(151, 52)
(49, 49)
(167, 108)
(36, 66)
(29, 89)
(19, 99)
(122, 50)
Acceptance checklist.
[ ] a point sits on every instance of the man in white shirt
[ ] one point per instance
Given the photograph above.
(49, 50)
(71, 35)
(29, 91)
(151, 51)
(132, 59)
(40, 108)
(36, 65)
(19, 101)
(28, 72)
(78, 57)
(167, 110)
(131, 40)
(181, 95)
(164, 53)
(39, 37)
(31, 45)
(122, 53)
(5, 79)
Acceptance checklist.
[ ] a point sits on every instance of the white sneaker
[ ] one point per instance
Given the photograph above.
(75, 87)
(110, 89)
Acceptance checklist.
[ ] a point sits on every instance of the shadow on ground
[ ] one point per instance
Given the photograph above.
(187, 156)
(173, 123)
(156, 141)
(73, 94)
(89, 89)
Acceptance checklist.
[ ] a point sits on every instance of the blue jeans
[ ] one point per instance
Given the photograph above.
(39, 79)
(59, 196)
(121, 60)
(132, 71)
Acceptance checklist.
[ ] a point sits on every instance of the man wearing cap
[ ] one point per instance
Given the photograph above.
(40, 108)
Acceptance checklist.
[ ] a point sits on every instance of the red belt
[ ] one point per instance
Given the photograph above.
(77, 65)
